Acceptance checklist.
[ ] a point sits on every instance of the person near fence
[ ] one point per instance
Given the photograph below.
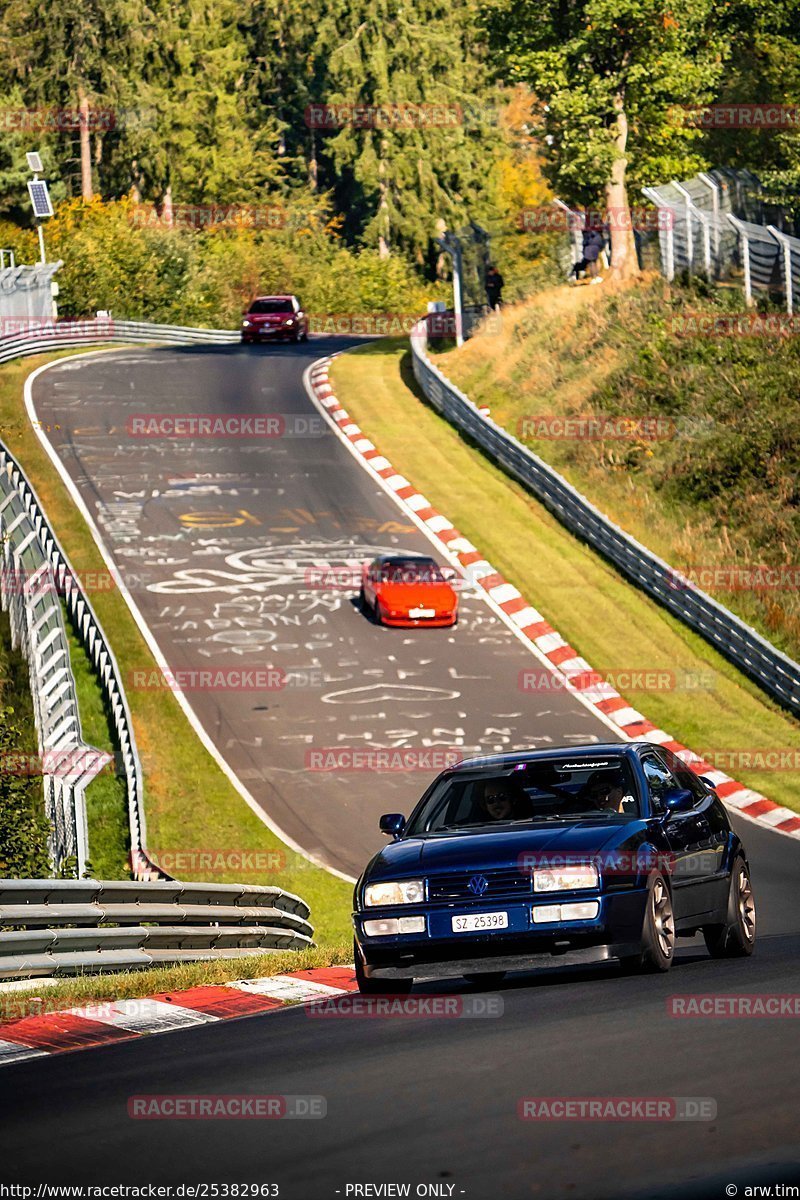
(494, 287)
(593, 246)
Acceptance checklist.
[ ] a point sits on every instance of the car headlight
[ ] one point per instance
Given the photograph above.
(566, 879)
(406, 891)
(290, 321)
(246, 324)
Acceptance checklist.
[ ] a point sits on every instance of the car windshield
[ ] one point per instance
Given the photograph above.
(410, 571)
(271, 306)
(552, 789)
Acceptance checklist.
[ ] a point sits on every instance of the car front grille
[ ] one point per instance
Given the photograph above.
(500, 885)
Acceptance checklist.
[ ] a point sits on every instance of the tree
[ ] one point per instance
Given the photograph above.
(419, 147)
(612, 78)
(69, 61)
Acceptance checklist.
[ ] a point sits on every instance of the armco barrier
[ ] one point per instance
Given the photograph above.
(20, 511)
(29, 593)
(39, 338)
(776, 673)
(68, 927)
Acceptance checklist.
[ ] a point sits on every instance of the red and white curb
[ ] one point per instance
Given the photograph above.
(127, 1020)
(529, 624)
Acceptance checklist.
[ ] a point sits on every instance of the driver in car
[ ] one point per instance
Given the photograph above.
(500, 800)
(606, 790)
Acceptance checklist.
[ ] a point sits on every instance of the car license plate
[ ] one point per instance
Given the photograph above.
(475, 921)
(417, 613)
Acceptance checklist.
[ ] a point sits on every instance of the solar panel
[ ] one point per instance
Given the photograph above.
(40, 198)
(34, 162)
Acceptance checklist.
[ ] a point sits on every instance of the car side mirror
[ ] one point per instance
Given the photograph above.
(678, 800)
(449, 573)
(708, 782)
(392, 824)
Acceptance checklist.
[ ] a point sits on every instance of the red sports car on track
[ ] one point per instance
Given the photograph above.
(408, 591)
(275, 318)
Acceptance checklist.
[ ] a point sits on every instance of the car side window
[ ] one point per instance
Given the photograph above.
(685, 775)
(659, 780)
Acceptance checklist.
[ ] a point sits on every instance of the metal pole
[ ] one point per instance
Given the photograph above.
(786, 255)
(741, 231)
(714, 186)
(458, 304)
(689, 235)
(42, 258)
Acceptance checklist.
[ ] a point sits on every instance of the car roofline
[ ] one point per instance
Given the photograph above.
(616, 749)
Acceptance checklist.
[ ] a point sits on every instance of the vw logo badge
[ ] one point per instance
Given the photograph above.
(478, 884)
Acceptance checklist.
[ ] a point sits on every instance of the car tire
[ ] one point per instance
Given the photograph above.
(304, 336)
(487, 979)
(377, 613)
(737, 937)
(378, 987)
(658, 932)
(364, 603)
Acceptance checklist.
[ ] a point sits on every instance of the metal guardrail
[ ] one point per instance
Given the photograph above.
(29, 593)
(68, 927)
(775, 672)
(37, 574)
(41, 549)
(36, 337)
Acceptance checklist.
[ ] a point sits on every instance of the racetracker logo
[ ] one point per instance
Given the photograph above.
(211, 860)
(752, 759)
(48, 328)
(551, 427)
(405, 1007)
(733, 577)
(617, 1108)
(341, 758)
(400, 116)
(732, 1006)
(728, 325)
(620, 679)
(737, 116)
(641, 218)
(399, 324)
(56, 120)
(206, 216)
(230, 679)
(226, 1108)
(225, 425)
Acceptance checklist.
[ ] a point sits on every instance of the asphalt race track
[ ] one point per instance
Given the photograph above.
(435, 1100)
(222, 542)
(418, 1101)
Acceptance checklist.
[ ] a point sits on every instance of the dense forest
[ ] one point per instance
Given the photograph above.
(371, 127)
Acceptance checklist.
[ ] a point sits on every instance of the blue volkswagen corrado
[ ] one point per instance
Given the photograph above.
(550, 857)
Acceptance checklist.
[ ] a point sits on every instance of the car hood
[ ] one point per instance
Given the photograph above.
(496, 849)
(413, 595)
(269, 318)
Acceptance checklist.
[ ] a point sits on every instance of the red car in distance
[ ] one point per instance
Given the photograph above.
(275, 318)
(408, 590)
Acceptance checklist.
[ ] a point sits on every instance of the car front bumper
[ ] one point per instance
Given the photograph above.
(616, 933)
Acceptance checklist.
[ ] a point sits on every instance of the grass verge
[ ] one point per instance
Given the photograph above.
(710, 705)
(128, 985)
(189, 802)
(709, 479)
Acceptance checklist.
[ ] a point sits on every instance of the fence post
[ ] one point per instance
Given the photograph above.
(748, 285)
(689, 232)
(710, 183)
(786, 256)
(669, 263)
